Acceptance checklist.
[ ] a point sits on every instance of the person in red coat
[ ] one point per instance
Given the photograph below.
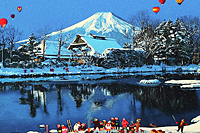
(124, 123)
(181, 125)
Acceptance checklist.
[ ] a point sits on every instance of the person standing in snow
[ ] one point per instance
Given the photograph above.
(113, 123)
(108, 127)
(76, 127)
(117, 123)
(124, 123)
(96, 123)
(64, 129)
(137, 124)
(181, 125)
(59, 129)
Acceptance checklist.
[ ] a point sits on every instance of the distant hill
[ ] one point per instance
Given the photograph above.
(101, 23)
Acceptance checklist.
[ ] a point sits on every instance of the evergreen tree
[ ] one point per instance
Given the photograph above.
(28, 51)
(172, 41)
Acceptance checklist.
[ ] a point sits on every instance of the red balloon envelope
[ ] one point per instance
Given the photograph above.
(12, 16)
(162, 1)
(156, 9)
(19, 8)
(3, 22)
(179, 1)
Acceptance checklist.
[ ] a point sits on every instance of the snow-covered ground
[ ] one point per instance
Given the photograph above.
(193, 128)
(92, 70)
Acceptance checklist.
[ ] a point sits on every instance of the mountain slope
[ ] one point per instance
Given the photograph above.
(101, 23)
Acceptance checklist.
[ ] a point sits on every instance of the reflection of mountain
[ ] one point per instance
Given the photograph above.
(98, 97)
(94, 93)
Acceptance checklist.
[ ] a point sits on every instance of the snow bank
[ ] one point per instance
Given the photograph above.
(191, 86)
(193, 128)
(182, 82)
(196, 119)
(149, 82)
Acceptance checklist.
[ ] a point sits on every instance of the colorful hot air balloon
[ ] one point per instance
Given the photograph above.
(179, 1)
(19, 8)
(156, 9)
(3, 22)
(12, 16)
(162, 2)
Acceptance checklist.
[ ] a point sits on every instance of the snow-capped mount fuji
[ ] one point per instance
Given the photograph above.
(101, 23)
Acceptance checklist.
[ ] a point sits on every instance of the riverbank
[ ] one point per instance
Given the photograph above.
(148, 71)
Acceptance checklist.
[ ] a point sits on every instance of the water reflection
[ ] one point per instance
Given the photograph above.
(165, 98)
(34, 96)
(83, 102)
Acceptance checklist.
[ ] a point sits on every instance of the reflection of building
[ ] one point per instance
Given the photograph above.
(34, 95)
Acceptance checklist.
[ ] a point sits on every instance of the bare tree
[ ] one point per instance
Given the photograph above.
(192, 24)
(143, 19)
(44, 34)
(3, 42)
(13, 36)
(62, 39)
(146, 25)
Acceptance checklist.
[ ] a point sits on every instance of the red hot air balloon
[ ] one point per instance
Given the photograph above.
(162, 2)
(179, 1)
(156, 9)
(19, 8)
(3, 22)
(12, 16)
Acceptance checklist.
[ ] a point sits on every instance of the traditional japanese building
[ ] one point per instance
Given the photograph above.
(92, 44)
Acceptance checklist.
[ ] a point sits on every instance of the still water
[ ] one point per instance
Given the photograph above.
(26, 105)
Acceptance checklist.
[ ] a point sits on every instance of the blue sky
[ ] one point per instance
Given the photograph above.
(36, 14)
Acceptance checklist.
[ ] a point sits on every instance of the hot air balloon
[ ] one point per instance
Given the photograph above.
(12, 16)
(156, 9)
(3, 22)
(162, 2)
(19, 8)
(179, 1)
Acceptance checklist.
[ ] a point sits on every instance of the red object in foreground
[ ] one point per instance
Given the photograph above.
(3, 22)
(162, 2)
(51, 70)
(156, 9)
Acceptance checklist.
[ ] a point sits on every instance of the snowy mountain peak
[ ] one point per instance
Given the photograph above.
(101, 23)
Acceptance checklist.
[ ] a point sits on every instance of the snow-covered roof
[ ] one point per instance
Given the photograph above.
(52, 49)
(98, 43)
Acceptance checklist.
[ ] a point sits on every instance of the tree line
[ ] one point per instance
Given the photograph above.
(173, 43)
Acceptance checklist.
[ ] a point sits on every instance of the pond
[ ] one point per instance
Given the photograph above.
(26, 105)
